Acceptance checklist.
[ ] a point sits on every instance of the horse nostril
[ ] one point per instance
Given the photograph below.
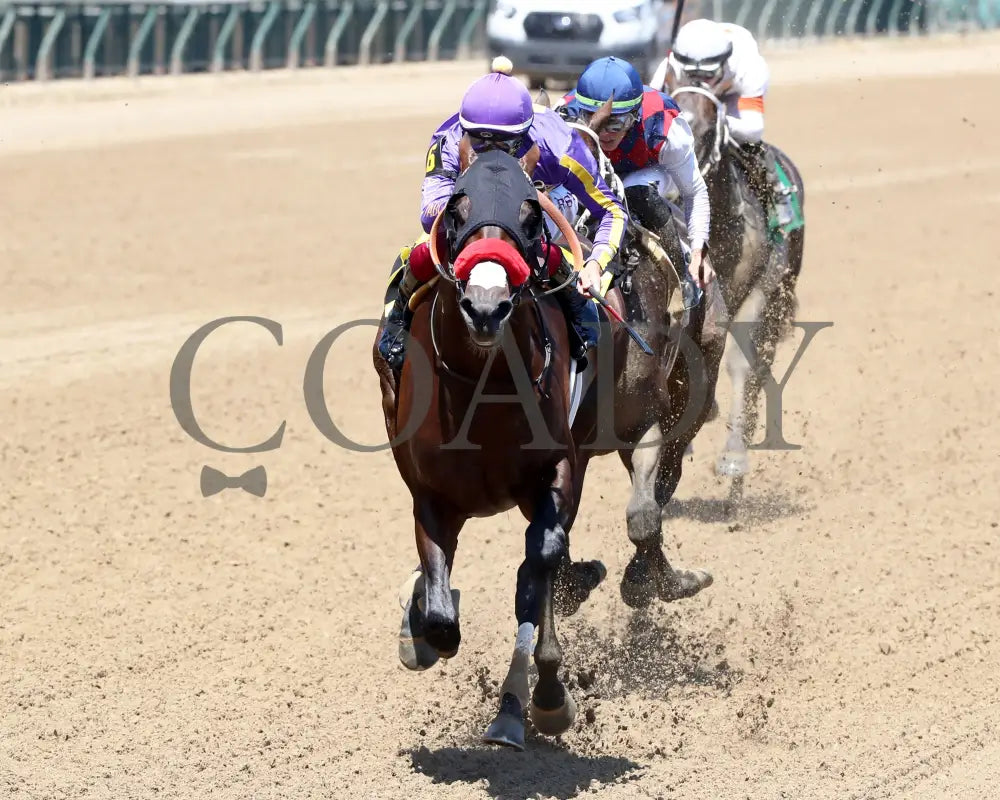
(503, 310)
(468, 307)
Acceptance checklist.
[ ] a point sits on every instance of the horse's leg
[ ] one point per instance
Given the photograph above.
(642, 515)
(734, 462)
(507, 727)
(778, 312)
(437, 532)
(552, 708)
(414, 651)
(575, 580)
(656, 471)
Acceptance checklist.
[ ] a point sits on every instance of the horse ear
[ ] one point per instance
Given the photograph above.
(602, 115)
(543, 98)
(670, 82)
(530, 218)
(466, 155)
(463, 208)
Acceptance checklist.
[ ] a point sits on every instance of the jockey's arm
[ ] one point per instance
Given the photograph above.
(678, 158)
(582, 177)
(750, 85)
(439, 178)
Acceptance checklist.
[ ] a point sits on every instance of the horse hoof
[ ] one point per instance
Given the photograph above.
(554, 721)
(413, 586)
(507, 728)
(685, 583)
(443, 634)
(414, 652)
(732, 464)
(636, 587)
(574, 584)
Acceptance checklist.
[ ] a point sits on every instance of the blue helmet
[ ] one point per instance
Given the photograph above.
(608, 77)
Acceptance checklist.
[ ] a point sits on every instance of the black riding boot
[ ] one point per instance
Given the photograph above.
(392, 342)
(653, 212)
(580, 311)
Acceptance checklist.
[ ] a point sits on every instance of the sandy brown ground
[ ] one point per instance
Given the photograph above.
(157, 644)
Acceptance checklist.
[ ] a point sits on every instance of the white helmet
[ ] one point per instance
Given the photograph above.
(701, 49)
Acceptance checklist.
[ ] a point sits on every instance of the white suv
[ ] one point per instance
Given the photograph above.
(559, 38)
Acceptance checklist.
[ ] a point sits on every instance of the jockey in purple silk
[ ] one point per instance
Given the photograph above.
(497, 113)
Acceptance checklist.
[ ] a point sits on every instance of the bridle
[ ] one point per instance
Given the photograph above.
(607, 171)
(721, 138)
(446, 269)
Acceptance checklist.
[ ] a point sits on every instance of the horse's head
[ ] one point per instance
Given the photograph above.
(493, 224)
(706, 116)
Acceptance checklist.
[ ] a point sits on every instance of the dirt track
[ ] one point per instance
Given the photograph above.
(157, 644)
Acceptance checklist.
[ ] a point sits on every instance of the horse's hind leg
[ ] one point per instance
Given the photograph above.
(552, 708)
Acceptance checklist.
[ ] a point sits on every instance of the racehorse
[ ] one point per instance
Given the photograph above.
(660, 402)
(757, 270)
(486, 328)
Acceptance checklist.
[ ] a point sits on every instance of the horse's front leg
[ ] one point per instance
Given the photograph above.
(546, 546)
(507, 727)
(655, 468)
(741, 358)
(437, 530)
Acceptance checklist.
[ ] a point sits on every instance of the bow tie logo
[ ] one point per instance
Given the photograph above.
(253, 481)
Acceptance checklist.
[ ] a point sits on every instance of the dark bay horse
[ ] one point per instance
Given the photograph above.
(757, 270)
(485, 328)
(660, 403)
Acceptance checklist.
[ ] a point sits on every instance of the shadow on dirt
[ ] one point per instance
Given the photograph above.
(753, 509)
(543, 769)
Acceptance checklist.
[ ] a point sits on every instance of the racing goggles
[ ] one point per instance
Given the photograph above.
(614, 125)
(709, 69)
(509, 143)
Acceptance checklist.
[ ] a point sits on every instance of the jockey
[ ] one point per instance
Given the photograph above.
(497, 112)
(725, 58)
(647, 140)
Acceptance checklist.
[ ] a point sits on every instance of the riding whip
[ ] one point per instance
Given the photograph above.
(678, 12)
(618, 318)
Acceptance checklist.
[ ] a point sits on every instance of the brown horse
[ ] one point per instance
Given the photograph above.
(479, 421)
(757, 271)
(660, 403)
